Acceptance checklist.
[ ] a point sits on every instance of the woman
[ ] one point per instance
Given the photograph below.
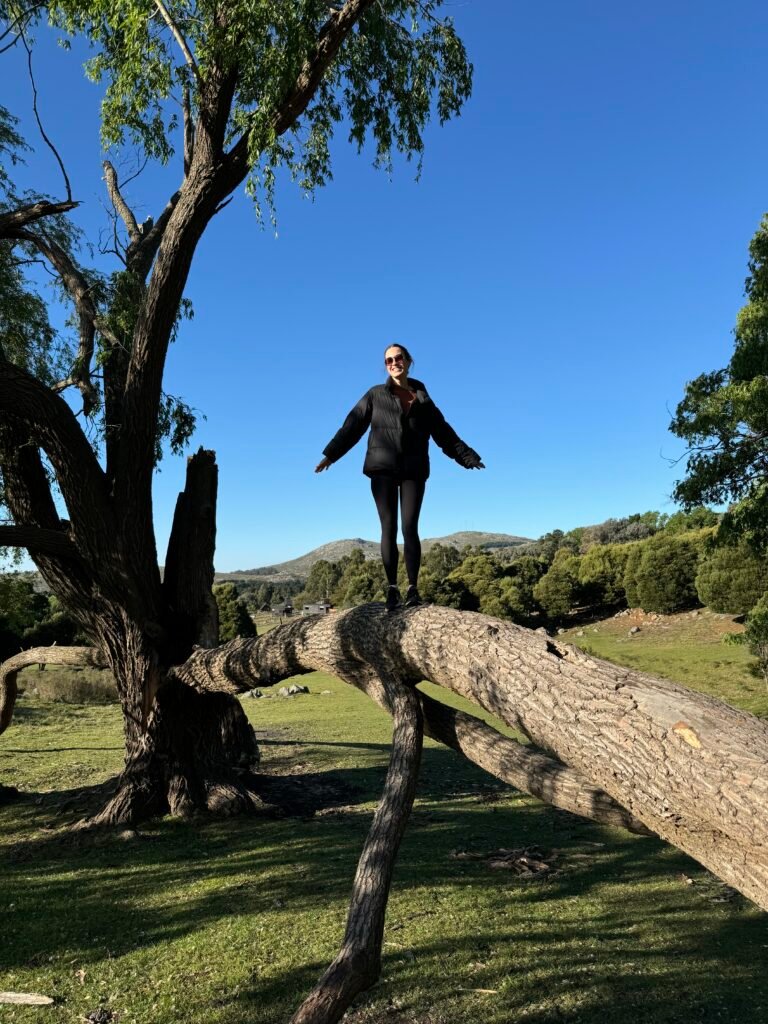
(402, 418)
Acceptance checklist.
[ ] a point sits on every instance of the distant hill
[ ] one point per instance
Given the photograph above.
(298, 568)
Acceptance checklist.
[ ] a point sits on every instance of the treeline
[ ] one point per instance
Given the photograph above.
(31, 619)
(651, 561)
(658, 563)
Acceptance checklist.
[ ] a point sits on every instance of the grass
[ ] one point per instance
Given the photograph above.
(69, 685)
(229, 922)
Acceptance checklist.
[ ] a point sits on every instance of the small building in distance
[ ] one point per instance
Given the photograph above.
(284, 608)
(316, 608)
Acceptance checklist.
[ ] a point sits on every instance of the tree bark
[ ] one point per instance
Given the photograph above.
(692, 769)
(188, 576)
(358, 963)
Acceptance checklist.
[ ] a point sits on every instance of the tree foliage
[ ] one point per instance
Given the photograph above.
(234, 620)
(397, 66)
(731, 578)
(557, 591)
(755, 637)
(601, 573)
(620, 531)
(665, 577)
(724, 418)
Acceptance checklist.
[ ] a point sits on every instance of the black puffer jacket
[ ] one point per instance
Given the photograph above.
(398, 445)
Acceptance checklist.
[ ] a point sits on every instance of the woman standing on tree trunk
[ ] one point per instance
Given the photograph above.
(402, 418)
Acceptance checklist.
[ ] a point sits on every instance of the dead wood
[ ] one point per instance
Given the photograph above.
(692, 769)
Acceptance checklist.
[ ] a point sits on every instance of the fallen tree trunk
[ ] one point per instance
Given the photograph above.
(693, 769)
(9, 670)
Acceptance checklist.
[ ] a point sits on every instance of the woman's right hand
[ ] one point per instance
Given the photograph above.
(325, 464)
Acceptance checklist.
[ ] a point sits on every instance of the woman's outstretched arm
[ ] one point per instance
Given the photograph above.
(353, 428)
(446, 438)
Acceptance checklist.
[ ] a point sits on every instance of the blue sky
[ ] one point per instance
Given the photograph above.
(574, 252)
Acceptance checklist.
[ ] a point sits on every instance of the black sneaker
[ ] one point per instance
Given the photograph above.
(394, 600)
(412, 597)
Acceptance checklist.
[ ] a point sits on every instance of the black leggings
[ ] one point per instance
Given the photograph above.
(385, 490)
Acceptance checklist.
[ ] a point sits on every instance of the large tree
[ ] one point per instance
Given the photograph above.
(260, 85)
(724, 419)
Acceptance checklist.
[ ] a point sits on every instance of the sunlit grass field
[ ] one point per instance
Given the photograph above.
(230, 921)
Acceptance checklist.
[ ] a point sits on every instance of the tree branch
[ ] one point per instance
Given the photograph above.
(119, 203)
(693, 769)
(144, 238)
(358, 963)
(9, 670)
(177, 35)
(294, 103)
(152, 236)
(47, 141)
(79, 289)
(38, 541)
(51, 424)
(16, 23)
(239, 666)
(15, 220)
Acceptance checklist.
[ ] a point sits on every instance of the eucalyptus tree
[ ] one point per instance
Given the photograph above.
(246, 87)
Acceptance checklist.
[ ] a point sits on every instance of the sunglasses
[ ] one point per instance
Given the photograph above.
(391, 360)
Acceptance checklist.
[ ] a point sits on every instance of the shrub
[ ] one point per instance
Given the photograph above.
(666, 575)
(731, 579)
(756, 636)
(234, 619)
(634, 555)
(601, 573)
(454, 593)
(557, 591)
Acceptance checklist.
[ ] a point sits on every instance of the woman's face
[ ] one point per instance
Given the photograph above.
(396, 363)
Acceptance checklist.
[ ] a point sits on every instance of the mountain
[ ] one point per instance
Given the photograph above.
(298, 568)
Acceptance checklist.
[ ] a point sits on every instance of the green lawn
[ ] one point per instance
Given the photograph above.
(229, 922)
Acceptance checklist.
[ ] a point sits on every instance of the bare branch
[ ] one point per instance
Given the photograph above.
(139, 170)
(610, 724)
(189, 130)
(144, 238)
(123, 209)
(77, 286)
(223, 205)
(47, 141)
(152, 236)
(176, 33)
(19, 18)
(524, 767)
(19, 218)
(237, 666)
(358, 963)
(28, 14)
(37, 541)
(10, 669)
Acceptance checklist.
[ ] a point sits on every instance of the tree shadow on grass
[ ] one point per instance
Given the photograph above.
(567, 946)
